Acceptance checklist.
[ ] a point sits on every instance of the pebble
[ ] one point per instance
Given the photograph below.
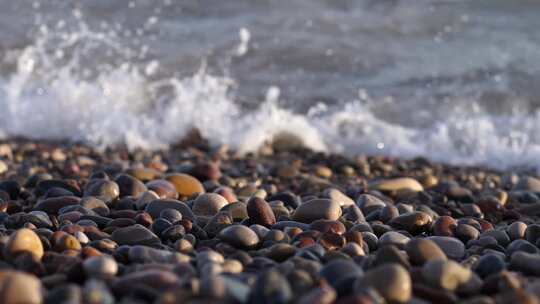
(339, 272)
(398, 184)
(516, 230)
(445, 274)
(528, 263)
(271, 287)
(317, 209)
(414, 222)
(24, 240)
(208, 204)
(54, 204)
(100, 267)
(159, 280)
(260, 212)
(155, 207)
(421, 251)
(239, 236)
(20, 288)
(338, 196)
(186, 185)
(489, 264)
(106, 190)
(453, 248)
(129, 185)
(391, 281)
(368, 203)
(163, 188)
(393, 238)
(134, 235)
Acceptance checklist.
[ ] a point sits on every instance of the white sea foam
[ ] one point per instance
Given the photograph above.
(52, 94)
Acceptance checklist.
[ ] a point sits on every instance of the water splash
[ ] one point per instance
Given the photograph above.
(82, 84)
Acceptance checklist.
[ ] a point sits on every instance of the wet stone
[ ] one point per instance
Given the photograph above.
(421, 251)
(208, 204)
(134, 235)
(391, 281)
(260, 212)
(21, 241)
(452, 247)
(155, 207)
(317, 209)
(239, 236)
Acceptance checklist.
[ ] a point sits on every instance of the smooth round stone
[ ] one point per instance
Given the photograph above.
(154, 208)
(69, 185)
(444, 226)
(208, 204)
(271, 285)
(159, 280)
(186, 185)
(96, 291)
(453, 247)
(34, 179)
(145, 198)
(163, 188)
(393, 238)
(502, 238)
(260, 230)
(319, 295)
(20, 288)
(237, 210)
(516, 230)
(390, 254)
(239, 236)
(317, 209)
(144, 254)
(387, 213)
(288, 198)
(100, 267)
(232, 266)
(414, 222)
(95, 204)
(448, 274)
(528, 183)
(129, 185)
(397, 185)
(143, 174)
(281, 252)
(391, 281)
(64, 293)
(489, 264)
(227, 193)
(466, 232)
(338, 271)
(24, 240)
(368, 203)
(171, 215)
(134, 235)
(260, 212)
(53, 205)
(104, 189)
(525, 262)
(323, 171)
(67, 242)
(520, 245)
(532, 233)
(338, 196)
(209, 256)
(421, 251)
(328, 226)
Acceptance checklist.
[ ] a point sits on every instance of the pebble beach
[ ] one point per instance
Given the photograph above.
(202, 224)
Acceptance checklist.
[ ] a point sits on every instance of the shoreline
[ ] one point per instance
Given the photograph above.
(287, 224)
